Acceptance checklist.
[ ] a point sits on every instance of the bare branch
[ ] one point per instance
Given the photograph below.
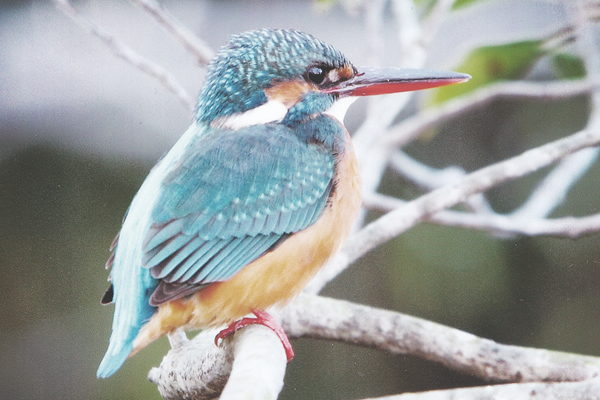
(584, 390)
(409, 129)
(251, 365)
(373, 156)
(398, 221)
(373, 15)
(424, 207)
(434, 20)
(126, 53)
(410, 34)
(382, 111)
(190, 41)
(433, 178)
(570, 227)
(196, 367)
(325, 318)
(424, 175)
(259, 366)
(553, 190)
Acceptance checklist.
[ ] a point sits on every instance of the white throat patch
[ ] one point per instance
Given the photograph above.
(271, 111)
(339, 108)
(275, 111)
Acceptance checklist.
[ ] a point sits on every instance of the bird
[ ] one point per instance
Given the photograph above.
(253, 199)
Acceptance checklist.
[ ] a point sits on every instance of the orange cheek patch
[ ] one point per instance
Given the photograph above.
(289, 93)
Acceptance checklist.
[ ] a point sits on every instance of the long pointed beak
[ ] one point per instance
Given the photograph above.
(374, 81)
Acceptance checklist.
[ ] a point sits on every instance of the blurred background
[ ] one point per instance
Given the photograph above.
(80, 129)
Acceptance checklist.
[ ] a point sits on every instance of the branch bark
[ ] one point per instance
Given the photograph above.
(325, 318)
(584, 390)
(249, 365)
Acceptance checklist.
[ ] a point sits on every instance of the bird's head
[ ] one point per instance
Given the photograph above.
(277, 75)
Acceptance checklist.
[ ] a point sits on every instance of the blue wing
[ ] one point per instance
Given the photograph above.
(234, 196)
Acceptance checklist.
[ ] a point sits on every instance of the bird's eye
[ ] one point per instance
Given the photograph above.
(316, 75)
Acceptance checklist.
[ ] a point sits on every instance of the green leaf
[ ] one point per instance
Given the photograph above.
(568, 66)
(324, 5)
(462, 3)
(491, 64)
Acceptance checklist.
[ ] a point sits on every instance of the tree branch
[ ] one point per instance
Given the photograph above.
(251, 364)
(569, 227)
(584, 390)
(553, 189)
(433, 178)
(400, 220)
(325, 318)
(126, 53)
(190, 41)
(196, 368)
(410, 128)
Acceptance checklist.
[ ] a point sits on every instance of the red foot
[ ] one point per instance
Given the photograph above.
(262, 318)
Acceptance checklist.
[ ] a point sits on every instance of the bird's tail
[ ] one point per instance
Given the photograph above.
(124, 332)
(132, 310)
(117, 353)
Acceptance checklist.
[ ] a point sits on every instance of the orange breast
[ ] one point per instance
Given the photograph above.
(274, 278)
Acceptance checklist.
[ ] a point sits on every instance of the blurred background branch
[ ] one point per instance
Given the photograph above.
(186, 37)
(123, 51)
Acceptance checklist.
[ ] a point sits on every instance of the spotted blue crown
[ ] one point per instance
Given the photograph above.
(254, 61)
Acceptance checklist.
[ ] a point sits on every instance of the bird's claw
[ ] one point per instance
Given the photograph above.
(262, 318)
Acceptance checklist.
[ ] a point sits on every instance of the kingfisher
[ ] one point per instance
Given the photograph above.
(253, 199)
